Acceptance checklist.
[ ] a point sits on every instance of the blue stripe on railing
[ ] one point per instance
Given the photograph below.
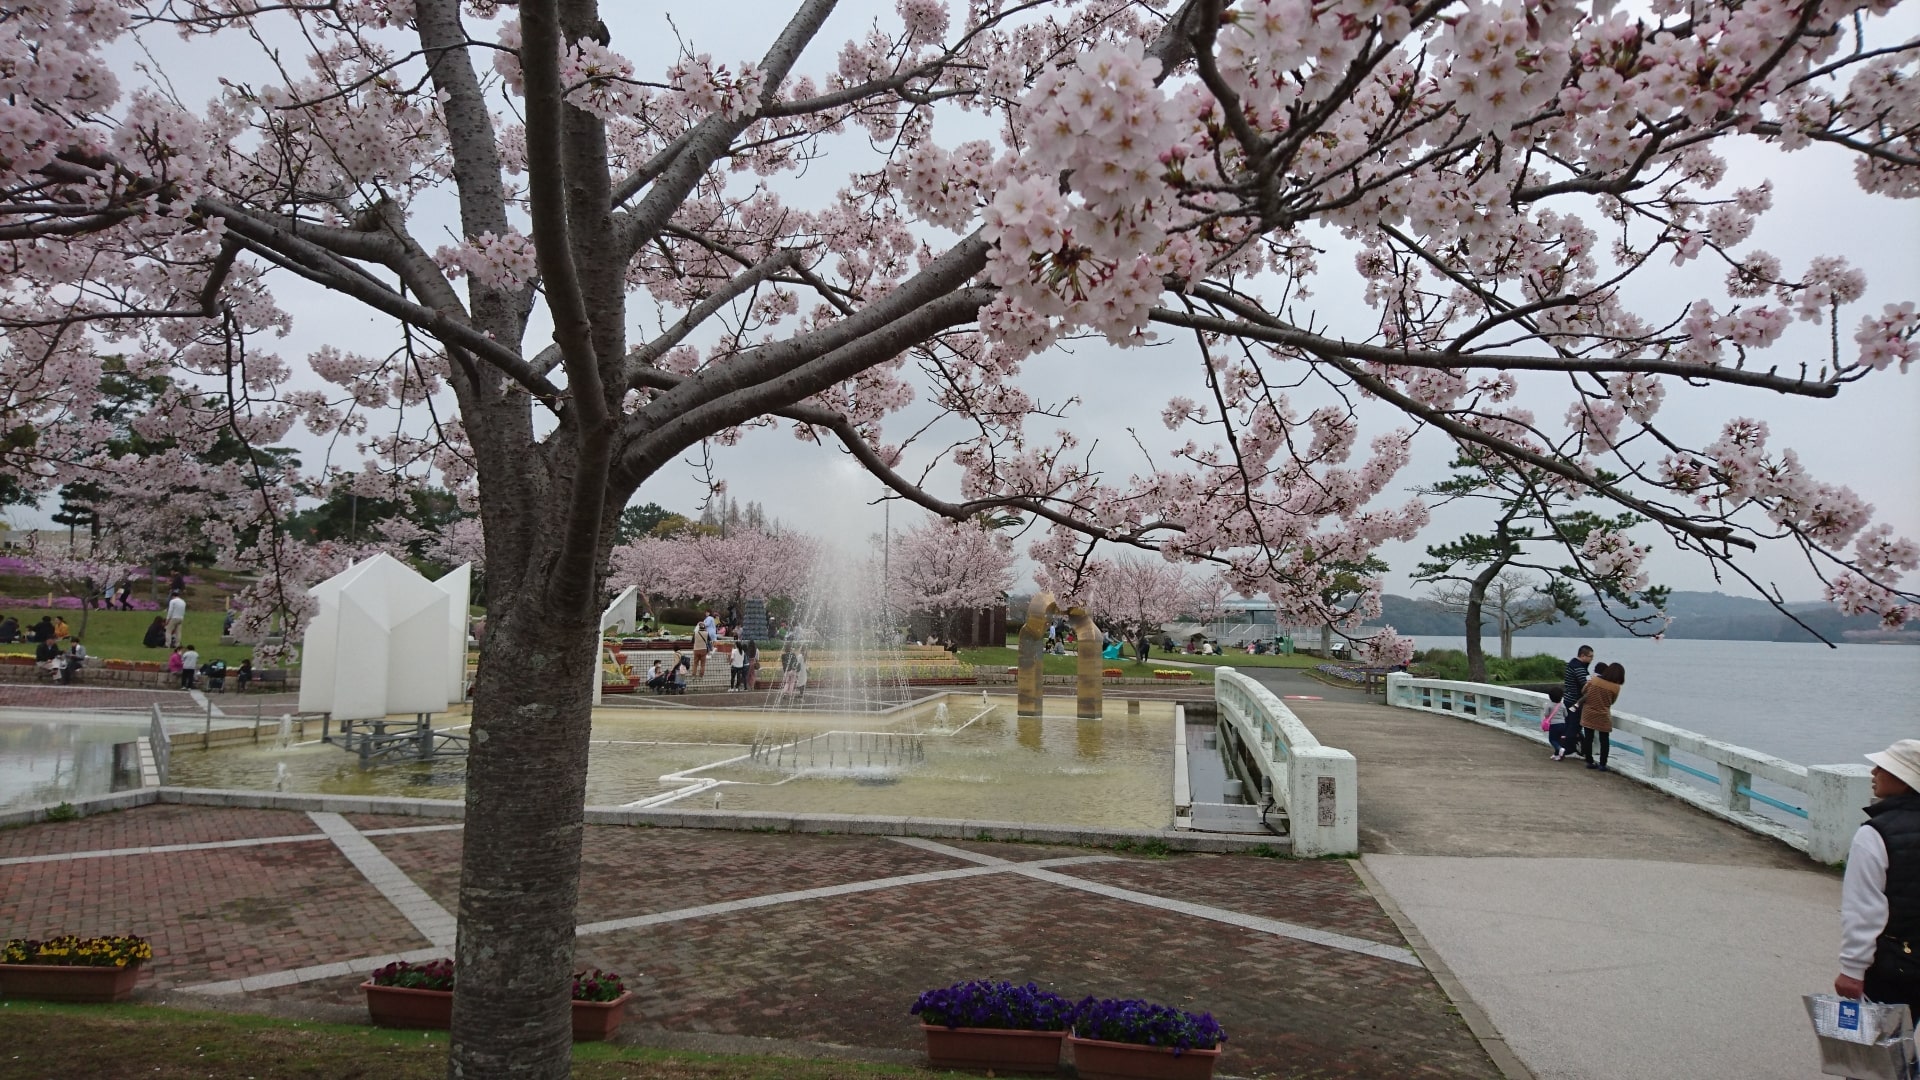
(1629, 749)
(1770, 801)
(1701, 773)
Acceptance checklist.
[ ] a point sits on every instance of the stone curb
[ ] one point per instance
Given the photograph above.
(1477, 1021)
(732, 820)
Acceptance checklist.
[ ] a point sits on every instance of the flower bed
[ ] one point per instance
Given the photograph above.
(996, 1026)
(1119, 1039)
(73, 968)
(405, 995)
(1171, 673)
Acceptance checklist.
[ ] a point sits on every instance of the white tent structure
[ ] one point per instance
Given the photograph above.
(622, 614)
(458, 585)
(383, 642)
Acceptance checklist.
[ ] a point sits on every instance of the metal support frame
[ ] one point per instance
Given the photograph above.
(383, 740)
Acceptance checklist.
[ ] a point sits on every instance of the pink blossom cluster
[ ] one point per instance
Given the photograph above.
(1387, 649)
(700, 566)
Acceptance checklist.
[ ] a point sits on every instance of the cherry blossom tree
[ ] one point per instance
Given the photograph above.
(1135, 595)
(507, 190)
(89, 576)
(948, 568)
(696, 565)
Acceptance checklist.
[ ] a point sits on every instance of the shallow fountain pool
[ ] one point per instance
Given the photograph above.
(949, 756)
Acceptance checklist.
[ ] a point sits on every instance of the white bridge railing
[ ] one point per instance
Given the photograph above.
(1821, 803)
(1317, 785)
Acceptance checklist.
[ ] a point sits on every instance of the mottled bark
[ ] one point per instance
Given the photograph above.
(520, 867)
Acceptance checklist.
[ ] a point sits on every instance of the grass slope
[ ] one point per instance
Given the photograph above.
(47, 1039)
(115, 635)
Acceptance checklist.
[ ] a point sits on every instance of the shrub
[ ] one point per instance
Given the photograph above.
(432, 975)
(596, 985)
(982, 1004)
(1143, 1023)
(590, 985)
(681, 616)
(71, 950)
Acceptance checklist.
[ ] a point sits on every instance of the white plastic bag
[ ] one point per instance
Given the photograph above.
(1863, 1039)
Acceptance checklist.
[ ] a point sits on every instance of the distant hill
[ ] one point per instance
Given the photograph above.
(1710, 615)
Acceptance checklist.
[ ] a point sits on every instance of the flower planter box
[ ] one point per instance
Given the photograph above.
(597, 1020)
(1000, 1049)
(67, 982)
(1095, 1059)
(401, 1007)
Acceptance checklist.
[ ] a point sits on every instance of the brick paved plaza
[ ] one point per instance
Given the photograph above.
(819, 939)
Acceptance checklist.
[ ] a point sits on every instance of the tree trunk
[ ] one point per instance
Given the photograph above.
(1326, 641)
(520, 862)
(1506, 638)
(1476, 657)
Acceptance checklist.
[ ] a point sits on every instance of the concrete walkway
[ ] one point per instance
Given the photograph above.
(1609, 932)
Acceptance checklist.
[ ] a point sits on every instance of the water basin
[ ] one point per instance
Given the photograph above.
(977, 761)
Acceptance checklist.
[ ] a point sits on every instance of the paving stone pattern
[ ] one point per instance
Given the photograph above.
(148, 826)
(211, 915)
(1324, 895)
(835, 970)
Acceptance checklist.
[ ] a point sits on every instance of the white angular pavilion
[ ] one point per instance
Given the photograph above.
(385, 641)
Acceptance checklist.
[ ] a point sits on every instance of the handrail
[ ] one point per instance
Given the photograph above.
(1831, 796)
(162, 745)
(1318, 785)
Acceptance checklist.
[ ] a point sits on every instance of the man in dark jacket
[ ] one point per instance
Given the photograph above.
(1880, 896)
(1564, 735)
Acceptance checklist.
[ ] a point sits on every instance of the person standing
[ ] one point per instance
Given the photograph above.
(189, 667)
(176, 618)
(174, 664)
(1880, 895)
(711, 625)
(1596, 712)
(752, 651)
(1146, 645)
(1572, 685)
(701, 639)
(800, 671)
(736, 668)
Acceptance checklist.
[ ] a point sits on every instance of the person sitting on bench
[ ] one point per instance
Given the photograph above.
(244, 673)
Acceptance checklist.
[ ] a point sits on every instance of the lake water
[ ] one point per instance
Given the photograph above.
(1807, 703)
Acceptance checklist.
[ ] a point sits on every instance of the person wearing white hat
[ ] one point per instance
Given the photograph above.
(1880, 897)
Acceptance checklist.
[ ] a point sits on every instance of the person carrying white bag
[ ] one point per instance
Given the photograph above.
(1880, 897)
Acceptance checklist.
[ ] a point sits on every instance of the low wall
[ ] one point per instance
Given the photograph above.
(735, 820)
(1826, 802)
(96, 673)
(1318, 785)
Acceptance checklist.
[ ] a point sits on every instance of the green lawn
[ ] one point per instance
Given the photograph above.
(1067, 665)
(46, 1039)
(115, 635)
(1242, 660)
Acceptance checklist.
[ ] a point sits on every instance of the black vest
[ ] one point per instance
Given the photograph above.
(1897, 820)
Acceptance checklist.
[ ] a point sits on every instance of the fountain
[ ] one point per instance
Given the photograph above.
(861, 739)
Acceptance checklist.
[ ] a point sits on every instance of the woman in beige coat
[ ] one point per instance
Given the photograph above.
(1596, 711)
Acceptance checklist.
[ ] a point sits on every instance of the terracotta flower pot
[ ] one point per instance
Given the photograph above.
(596, 1020)
(404, 1007)
(1096, 1059)
(67, 982)
(999, 1049)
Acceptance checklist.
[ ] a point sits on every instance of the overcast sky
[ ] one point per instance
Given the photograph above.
(1867, 438)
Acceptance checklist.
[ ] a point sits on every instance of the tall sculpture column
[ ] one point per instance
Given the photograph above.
(1087, 640)
(1033, 636)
